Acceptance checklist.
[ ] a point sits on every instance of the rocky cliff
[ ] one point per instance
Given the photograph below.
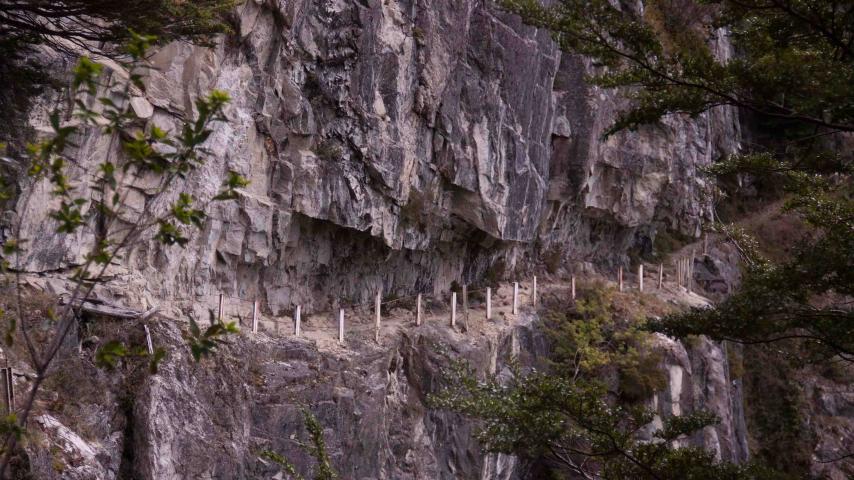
(214, 419)
(396, 144)
(402, 144)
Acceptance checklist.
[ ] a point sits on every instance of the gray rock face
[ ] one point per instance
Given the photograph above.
(437, 135)
(213, 419)
(699, 379)
(396, 144)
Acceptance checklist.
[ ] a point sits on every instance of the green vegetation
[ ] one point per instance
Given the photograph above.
(92, 27)
(575, 415)
(774, 406)
(793, 74)
(99, 208)
(316, 448)
(88, 25)
(591, 340)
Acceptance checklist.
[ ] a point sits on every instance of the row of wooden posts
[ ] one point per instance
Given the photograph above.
(684, 273)
(378, 310)
(684, 276)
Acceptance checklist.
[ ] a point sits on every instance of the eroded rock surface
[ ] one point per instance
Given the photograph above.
(401, 144)
(214, 419)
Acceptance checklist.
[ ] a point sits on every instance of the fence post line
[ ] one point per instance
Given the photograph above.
(255, 316)
(341, 326)
(572, 286)
(219, 310)
(534, 292)
(620, 278)
(640, 277)
(148, 340)
(418, 310)
(453, 309)
(378, 314)
(488, 303)
(660, 275)
(298, 321)
(515, 298)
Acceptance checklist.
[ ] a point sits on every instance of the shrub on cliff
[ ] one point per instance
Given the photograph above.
(583, 415)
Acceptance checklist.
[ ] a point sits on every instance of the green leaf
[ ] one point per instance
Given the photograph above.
(110, 353)
(156, 358)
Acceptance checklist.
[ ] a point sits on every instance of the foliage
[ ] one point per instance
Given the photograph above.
(98, 208)
(793, 72)
(94, 27)
(315, 448)
(205, 343)
(591, 340)
(86, 23)
(553, 259)
(794, 62)
(572, 423)
(569, 414)
(774, 407)
(420, 210)
(803, 297)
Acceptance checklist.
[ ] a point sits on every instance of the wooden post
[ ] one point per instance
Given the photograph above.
(678, 280)
(640, 277)
(572, 286)
(488, 303)
(515, 298)
(298, 321)
(685, 268)
(660, 275)
(620, 278)
(418, 310)
(255, 316)
(219, 311)
(684, 272)
(341, 326)
(148, 340)
(453, 309)
(378, 315)
(534, 292)
(705, 244)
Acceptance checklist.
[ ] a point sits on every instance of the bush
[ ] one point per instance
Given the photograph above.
(592, 339)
